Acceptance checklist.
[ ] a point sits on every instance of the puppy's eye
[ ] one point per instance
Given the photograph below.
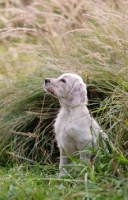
(63, 80)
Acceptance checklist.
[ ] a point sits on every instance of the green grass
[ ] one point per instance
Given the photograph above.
(42, 182)
(27, 121)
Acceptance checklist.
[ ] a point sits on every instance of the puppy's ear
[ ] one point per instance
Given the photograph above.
(78, 94)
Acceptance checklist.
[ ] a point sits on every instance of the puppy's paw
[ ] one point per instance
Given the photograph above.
(63, 172)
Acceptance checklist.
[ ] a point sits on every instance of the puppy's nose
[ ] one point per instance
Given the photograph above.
(47, 80)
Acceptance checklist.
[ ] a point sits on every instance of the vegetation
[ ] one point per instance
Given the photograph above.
(44, 39)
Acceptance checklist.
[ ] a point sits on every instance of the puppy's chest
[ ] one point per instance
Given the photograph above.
(61, 125)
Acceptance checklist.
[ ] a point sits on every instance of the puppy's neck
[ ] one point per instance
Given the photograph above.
(66, 105)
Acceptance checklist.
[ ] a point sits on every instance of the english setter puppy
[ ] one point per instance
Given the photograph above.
(75, 129)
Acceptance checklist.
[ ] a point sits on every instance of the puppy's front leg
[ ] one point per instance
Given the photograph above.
(63, 161)
(85, 158)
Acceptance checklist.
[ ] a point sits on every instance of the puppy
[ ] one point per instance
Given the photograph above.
(75, 129)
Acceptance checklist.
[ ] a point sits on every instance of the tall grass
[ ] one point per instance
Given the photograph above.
(44, 39)
(66, 36)
(27, 121)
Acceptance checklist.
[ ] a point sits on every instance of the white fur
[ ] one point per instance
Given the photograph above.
(75, 129)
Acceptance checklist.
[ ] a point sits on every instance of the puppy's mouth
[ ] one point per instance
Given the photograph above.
(51, 92)
(49, 89)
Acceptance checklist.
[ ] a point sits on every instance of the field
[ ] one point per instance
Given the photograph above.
(40, 39)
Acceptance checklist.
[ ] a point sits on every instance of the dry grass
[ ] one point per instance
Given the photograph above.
(66, 35)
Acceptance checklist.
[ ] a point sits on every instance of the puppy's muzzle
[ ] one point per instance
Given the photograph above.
(47, 80)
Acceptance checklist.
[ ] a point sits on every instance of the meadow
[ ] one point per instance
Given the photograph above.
(40, 39)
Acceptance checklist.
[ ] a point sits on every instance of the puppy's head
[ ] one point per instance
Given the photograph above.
(68, 88)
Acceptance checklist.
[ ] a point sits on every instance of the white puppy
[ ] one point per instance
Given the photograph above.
(75, 129)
